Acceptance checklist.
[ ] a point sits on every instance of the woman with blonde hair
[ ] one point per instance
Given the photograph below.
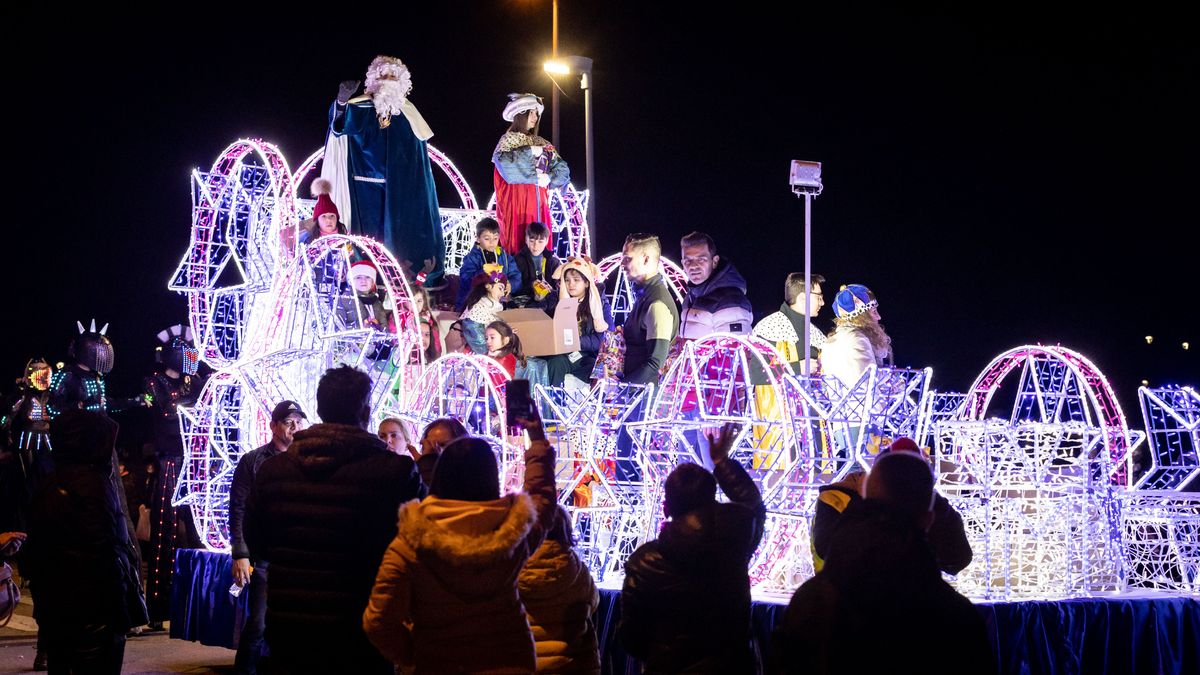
(858, 340)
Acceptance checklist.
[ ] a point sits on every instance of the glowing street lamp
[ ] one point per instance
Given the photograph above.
(582, 65)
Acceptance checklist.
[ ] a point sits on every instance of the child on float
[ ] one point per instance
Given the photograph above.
(537, 266)
(504, 346)
(329, 272)
(578, 278)
(325, 219)
(482, 302)
(485, 256)
(420, 317)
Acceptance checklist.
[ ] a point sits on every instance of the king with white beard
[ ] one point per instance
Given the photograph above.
(378, 161)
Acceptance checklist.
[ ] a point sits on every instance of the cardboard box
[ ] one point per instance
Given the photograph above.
(543, 335)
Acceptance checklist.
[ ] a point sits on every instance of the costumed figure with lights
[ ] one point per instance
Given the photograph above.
(377, 160)
(25, 415)
(25, 435)
(526, 166)
(81, 386)
(175, 382)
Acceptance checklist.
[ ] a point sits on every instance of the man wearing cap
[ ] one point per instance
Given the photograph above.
(366, 308)
(286, 419)
(526, 166)
(377, 159)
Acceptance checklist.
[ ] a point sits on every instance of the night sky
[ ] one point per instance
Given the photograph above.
(996, 179)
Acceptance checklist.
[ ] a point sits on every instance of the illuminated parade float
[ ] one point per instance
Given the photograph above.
(1037, 456)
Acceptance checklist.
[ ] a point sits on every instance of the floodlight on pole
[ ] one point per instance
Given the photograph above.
(805, 179)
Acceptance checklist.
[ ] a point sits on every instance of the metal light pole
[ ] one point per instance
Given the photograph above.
(805, 180)
(583, 66)
(554, 90)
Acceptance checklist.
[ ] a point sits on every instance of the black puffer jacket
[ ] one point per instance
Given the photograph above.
(78, 556)
(685, 606)
(323, 513)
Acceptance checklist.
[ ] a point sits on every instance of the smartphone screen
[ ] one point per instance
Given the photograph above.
(517, 401)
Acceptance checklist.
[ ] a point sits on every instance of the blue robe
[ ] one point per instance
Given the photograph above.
(393, 197)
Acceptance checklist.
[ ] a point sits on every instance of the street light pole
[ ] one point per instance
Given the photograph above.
(554, 90)
(585, 83)
(583, 66)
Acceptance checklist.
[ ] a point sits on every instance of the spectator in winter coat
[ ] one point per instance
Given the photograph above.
(560, 597)
(323, 513)
(880, 604)
(685, 606)
(445, 599)
(436, 436)
(286, 419)
(946, 534)
(78, 556)
(716, 299)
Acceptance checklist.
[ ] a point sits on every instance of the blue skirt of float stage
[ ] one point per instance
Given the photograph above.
(392, 193)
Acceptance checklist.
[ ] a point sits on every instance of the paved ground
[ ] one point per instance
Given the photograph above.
(145, 655)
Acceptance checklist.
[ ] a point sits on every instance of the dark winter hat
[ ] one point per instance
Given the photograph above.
(284, 409)
(852, 300)
(466, 470)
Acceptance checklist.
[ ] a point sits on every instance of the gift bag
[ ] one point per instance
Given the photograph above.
(610, 362)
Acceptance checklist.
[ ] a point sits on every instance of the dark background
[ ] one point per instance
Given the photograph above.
(997, 178)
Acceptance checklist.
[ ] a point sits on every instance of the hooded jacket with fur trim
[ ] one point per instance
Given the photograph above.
(445, 599)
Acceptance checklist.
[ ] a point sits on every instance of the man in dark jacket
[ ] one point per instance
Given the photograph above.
(685, 606)
(323, 513)
(880, 604)
(78, 556)
(946, 534)
(286, 419)
(716, 299)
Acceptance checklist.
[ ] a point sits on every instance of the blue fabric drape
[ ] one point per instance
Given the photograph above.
(202, 610)
(1123, 634)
